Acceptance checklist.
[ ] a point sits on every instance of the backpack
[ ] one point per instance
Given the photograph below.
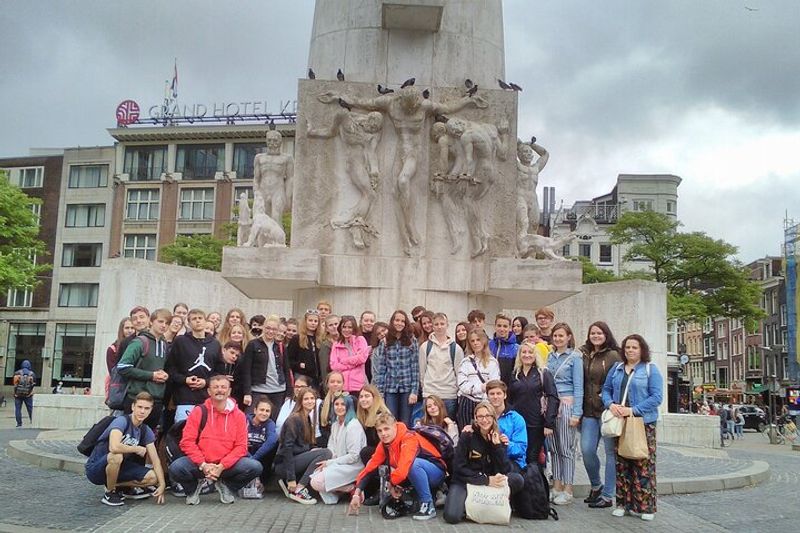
(173, 437)
(533, 502)
(452, 352)
(89, 441)
(117, 384)
(441, 441)
(24, 388)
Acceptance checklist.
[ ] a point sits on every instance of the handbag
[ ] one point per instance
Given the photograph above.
(488, 505)
(633, 441)
(611, 425)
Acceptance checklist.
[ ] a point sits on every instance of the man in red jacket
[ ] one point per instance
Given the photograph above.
(215, 443)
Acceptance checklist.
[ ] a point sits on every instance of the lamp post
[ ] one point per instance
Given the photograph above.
(770, 390)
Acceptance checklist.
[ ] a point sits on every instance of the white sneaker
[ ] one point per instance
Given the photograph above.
(553, 494)
(284, 488)
(563, 498)
(618, 511)
(648, 516)
(194, 497)
(225, 494)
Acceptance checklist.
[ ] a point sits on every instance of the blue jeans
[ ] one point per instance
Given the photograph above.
(451, 406)
(425, 476)
(184, 471)
(28, 401)
(397, 402)
(590, 441)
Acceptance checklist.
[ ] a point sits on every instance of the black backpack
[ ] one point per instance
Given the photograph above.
(118, 385)
(173, 437)
(25, 385)
(441, 441)
(533, 502)
(89, 441)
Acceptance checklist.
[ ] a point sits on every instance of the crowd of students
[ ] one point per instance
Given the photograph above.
(324, 403)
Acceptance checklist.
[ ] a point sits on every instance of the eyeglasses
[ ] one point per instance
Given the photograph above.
(483, 417)
(312, 312)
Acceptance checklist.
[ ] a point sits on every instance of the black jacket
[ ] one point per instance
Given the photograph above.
(304, 361)
(525, 393)
(476, 459)
(254, 366)
(190, 356)
(290, 444)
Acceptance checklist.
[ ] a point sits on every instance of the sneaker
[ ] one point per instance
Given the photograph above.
(194, 497)
(618, 511)
(648, 516)
(178, 490)
(426, 511)
(600, 503)
(225, 494)
(137, 493)
(441, 497)
(372, 501)
(302, 496)
(563, 498)
(112, 498)
(207, 487)
(553, 494)
(594, 495)
(284, 488)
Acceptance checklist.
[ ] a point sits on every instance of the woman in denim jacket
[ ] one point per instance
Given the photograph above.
(636, 478)
(566, 366)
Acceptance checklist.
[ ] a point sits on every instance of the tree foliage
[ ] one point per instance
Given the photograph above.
(19, 239)
(701, 273)
(197, 251)
(593, 274)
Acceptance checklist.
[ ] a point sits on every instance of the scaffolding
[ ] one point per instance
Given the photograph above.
(791, 232)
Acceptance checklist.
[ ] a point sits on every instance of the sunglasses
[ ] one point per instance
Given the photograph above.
(312, 312)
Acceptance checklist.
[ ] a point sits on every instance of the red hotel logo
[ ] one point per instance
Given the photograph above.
(127, 113)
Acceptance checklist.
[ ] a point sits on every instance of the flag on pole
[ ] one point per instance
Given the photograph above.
(174, 86)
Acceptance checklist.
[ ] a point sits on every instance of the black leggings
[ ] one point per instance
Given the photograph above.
(535, 443)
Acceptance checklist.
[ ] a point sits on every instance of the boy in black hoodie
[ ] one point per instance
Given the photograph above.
(190, 364)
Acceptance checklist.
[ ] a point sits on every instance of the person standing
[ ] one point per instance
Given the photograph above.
(600, 354)
(636, 478)
(24, 381)
(264, 369)
(476, 369)
(504, 346)
(302, 352)
(349, 355)
(439, 357)
(398, 379)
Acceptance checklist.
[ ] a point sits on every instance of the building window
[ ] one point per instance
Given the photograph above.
(25, 341)
(585, 250)
(197, 204)
(199, 161)
(88, 176)
(72, 354)
(643, 205)
(243, 156)
(82, 255)
(671, 207)
(140, 246)
(236, 193)
(19, 298)
(143, 204)
(86, 215)
(605, 253)
(145, 163)
(78, 294)
(26, 178)
(565, 251)
(783, 315)
(36, 209)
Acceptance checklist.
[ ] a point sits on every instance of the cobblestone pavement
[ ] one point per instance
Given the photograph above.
(38, 500)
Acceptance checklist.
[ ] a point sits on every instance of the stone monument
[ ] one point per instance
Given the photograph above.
(405, 188)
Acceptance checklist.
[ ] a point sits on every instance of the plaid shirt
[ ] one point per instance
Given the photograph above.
(399, 367)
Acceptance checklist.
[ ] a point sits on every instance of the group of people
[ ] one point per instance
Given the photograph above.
(343, 407)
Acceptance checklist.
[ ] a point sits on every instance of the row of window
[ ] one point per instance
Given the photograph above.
(69, 295)
(193, 161)
(585, 250)
(72, 351)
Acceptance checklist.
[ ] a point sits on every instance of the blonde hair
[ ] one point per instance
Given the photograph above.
(488, 406)
(537, 361)
(385, 419)
(484, 356)
(225, 336)
(367, 417)
(327, 402)
(302, 330)
(322, 336)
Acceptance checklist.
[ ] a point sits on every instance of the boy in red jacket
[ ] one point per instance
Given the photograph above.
(218, 450)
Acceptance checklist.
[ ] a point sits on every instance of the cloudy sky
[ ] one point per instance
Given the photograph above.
(708, 90)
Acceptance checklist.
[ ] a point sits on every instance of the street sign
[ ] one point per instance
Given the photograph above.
(684, 359)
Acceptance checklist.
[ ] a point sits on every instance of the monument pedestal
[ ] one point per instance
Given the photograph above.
(383, 284)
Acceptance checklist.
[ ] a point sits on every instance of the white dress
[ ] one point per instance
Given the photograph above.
(345, 443)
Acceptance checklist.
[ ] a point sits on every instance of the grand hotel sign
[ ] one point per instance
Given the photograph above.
(129, 112)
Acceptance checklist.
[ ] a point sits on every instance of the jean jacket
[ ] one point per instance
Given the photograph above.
(645, 394)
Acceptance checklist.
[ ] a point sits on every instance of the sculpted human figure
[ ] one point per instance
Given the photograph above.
(407, 110)
(481, 143)
(245, 223)
(448, 185)
(360, 135)
(548, 246)
(273, 173)
(527, 181)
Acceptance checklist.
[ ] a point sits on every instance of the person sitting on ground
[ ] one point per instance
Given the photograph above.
(334, 386)
(435, 414)
(337, 475)
(262, 438)
(218, 450)
(297, 454)
(370, 405)
(113, 460)
(481, 458)
(412, 459)
(512, 426)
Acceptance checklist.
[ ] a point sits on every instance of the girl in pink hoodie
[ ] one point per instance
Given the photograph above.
(349, 355)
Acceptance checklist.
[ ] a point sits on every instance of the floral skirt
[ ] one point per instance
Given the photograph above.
(636, 479)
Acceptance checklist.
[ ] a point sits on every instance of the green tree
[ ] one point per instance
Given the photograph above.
(592, 274)
(19, 239)
(197, 251)
(701, 273)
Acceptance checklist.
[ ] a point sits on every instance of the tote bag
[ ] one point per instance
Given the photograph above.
(488, 505)
(610, 425)
(633, 441)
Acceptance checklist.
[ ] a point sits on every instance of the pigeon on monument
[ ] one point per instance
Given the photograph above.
(311, 74)
(340, 75)
(468, 83)
(345, 104)
(384, 90)
(271, 124)
(533, 140)
(408, 83)
(515, 87)
(503, 85)
(472, 90)
(426, 94)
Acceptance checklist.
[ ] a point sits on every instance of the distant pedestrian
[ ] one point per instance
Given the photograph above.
(24, 383)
